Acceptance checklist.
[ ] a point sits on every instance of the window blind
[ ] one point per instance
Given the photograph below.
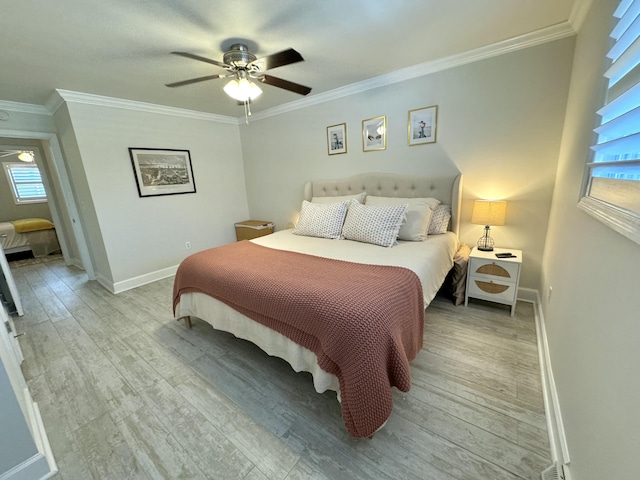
(26, 182)
(614, 168)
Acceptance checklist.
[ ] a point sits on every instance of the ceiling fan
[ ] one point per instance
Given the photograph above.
(243, 66)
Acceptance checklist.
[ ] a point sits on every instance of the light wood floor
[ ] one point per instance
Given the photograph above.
(127, 392)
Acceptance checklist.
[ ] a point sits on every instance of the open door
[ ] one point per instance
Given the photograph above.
(8, 289)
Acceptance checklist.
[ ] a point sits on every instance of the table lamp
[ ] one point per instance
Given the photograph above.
(488, 212)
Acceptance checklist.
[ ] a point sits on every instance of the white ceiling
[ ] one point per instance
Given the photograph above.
(121, 48)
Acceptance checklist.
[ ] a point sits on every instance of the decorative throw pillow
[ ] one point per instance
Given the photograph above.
(319, 220)
(360, 197)
(375, 224)
(440, 220)
(418, 215)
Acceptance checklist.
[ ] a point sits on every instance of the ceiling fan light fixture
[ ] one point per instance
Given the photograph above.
(242, 90)
(26, 156)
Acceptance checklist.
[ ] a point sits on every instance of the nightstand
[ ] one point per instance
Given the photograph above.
(492, 278)
(253, 229)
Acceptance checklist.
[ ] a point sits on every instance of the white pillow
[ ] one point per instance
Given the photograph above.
(319, 220)
(440, 219)
(419, 212)
(359, 197)
(375, 224)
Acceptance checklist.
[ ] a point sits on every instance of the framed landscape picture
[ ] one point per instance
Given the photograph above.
(162, 171)
(374, 134)
(422, 125)
(337, 139)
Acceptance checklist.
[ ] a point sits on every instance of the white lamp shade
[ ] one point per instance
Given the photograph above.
(489, 212)
(242, 90)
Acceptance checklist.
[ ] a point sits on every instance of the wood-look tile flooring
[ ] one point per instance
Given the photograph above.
(127, 392)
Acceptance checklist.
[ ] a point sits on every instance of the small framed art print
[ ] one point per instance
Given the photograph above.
(422, 125)
(162, 171)
(374, 134)
(337, 139)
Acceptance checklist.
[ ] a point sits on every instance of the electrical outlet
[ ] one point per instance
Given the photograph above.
(187, 245)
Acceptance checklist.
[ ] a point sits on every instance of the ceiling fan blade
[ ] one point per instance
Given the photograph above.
(194, 80)
(279, 59)
(202, 59)
(286, 84)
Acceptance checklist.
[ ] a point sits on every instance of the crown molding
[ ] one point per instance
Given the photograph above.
(545, 35)
(579, 13)
(23, 107)
(91, 99)
(548, 34)
(54, 102)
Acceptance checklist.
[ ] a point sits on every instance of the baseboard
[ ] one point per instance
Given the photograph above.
(528, 295)
(140, 280)
(555, 427)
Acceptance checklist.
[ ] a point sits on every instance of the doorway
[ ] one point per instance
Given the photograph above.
(60, 204)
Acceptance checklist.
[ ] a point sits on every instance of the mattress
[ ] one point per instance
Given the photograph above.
(40, 242)
(430, 260)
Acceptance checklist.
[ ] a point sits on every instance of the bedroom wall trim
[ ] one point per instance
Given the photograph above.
(579, 13)
(544, 35)
(23, 107)
(124, 285)
(555, 426)
(61, 96)
(548, 34)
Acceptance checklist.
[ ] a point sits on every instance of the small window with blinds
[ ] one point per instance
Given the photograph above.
(612, 180)
(26, 183)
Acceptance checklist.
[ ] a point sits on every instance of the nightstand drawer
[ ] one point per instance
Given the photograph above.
(496, 270)
(488, 289)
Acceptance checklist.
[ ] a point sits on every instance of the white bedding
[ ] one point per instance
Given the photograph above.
(431, 260)
(11, 239)
(40, 242)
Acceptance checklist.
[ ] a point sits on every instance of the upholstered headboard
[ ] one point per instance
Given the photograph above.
(447, 189)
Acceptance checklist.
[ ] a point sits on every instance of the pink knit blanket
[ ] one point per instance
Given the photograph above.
(364, 322)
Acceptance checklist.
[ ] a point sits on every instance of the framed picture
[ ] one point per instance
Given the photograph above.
(374, 134)
(337, 139)
(162, 172)
(422, 125)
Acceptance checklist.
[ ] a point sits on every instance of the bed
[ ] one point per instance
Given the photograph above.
(23, 235)
(377, 294)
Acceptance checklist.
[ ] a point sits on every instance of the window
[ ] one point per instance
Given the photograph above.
(26, 182)
(612, 186)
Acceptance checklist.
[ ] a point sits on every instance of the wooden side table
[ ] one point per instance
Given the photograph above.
(492, 278)
(253, 229)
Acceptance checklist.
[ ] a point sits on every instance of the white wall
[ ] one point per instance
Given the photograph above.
(499, 123)
(592, 320)
(135, 237)
(9, 210)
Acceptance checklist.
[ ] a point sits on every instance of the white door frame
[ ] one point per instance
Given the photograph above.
(58, 165)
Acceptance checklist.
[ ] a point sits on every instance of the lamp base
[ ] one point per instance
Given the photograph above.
(485, 243)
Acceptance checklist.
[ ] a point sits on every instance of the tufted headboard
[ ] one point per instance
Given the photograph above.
(447, 189)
